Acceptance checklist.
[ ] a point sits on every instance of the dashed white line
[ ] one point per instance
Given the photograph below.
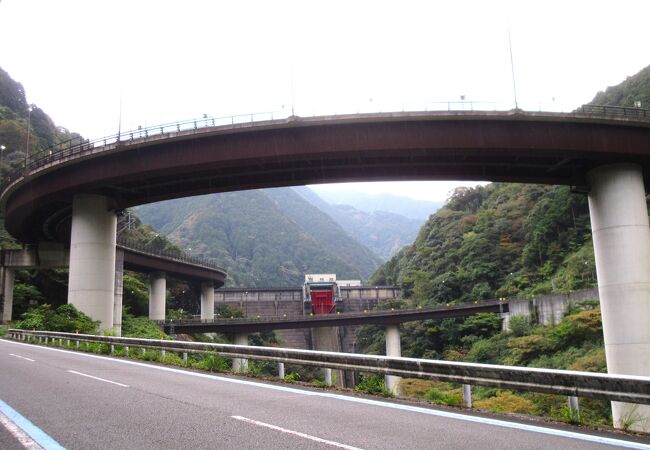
(98, 379)
(295, 433)
(22, 357)
(416, 409)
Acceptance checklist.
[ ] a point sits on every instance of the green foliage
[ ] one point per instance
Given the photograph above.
(211, 361)
(577, 328)
(372, 384)
(450, 398)
(177, 314)
(505, 401)
(292, 377)
(3, 330)
(272, 241)
(519, 325)
(634, 89)
(65, 318)
(497, 240)
(135, 295)
(140, 327)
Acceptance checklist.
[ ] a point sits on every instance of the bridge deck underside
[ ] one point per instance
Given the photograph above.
(524, 148)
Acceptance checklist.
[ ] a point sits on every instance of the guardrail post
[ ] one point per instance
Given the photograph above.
(240, 364)
(328, 376)
(144, 351)
(162, 354)
(126, 350)
(67, 343)
(574, 407)
(185, 359)
(112, 349)
(393, 348)
(76, 344)
(281, 370)
(467, 395)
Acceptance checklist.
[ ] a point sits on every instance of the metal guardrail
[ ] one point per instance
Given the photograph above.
(78, 147)
(618, 111)
(631, 389)
(179, 256)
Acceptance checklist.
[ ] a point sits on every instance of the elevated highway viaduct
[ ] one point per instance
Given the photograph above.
(71, 193)
(128, 256)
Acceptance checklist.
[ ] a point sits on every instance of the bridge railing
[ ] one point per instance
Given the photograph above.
(625, 388)
(500, 305)
(619, 111)
(78, 146)
(180, 256)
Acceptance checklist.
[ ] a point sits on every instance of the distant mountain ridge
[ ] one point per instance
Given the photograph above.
(383, 232)
(404, 206)
(263, 238)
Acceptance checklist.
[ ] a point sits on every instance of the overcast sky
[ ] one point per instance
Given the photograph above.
(164, 61)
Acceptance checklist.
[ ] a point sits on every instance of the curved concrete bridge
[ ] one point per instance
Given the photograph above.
(130, 256)
(600, 150)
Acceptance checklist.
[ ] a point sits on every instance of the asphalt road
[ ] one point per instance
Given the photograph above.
(91, 402)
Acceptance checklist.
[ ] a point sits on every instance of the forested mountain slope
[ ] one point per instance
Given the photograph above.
(268, 237)
(383, 232)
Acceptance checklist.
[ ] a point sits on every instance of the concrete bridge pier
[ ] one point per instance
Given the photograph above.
(393, 348)
(157, 296)
(7, 293)
(207, 301)
(91, 285)
(619, 222)
(117, 295)
(240, 364)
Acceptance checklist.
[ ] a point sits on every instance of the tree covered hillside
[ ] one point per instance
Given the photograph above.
(495, 241)
(634, 89)
(268, 237)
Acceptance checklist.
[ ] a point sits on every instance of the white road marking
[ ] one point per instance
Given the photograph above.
(416, 409)
(22, 437)
(295, 433)
(22, 357)
(25, 432)
(97, 378)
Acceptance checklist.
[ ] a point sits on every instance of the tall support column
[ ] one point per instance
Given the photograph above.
(117, 295)
(157, 296)
(92, 258)
(240, 364)
(619, 223)
(393, 348)
(207, 300)
(8, 294)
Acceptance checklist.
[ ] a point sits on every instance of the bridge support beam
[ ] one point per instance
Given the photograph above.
(91, 285)
(207, 300)
(157, 296)
(240, 364)
(619, 223)
(393, 348)
(7, 294)
(119, 288)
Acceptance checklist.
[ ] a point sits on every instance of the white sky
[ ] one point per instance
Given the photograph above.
(173, 60)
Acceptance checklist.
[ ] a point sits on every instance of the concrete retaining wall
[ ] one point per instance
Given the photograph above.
(548, 309)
